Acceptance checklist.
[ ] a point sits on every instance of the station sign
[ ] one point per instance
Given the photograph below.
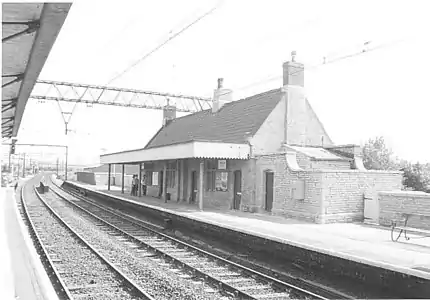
(222, 164)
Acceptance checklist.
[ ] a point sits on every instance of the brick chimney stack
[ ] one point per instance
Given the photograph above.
(221, 96)
(294, 72)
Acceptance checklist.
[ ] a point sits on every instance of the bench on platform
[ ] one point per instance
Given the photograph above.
(404, 228)
(42, 188)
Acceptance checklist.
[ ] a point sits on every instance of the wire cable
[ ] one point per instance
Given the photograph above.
(165, 42)
(325, 62)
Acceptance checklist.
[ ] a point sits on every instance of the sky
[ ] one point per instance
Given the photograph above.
(380, 92)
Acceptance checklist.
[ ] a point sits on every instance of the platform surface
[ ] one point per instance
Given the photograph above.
(24, 279)
(353, 241)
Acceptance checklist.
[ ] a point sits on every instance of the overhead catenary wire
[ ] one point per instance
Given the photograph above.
(325, 62)
(166, 42)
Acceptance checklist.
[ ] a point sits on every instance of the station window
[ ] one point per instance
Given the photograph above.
(154, 181)
(217, 181)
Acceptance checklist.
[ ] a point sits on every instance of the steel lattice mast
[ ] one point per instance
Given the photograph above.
(106, 95)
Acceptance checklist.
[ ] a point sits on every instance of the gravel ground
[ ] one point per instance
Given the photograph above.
(157, 279)
(201, 263)
(82, 265)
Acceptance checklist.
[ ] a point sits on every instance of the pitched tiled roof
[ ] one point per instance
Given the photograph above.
(233, 123)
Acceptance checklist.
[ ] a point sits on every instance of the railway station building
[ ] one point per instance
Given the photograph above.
(268, 153)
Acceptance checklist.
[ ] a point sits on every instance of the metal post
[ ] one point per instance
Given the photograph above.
(122, 182)
(114, 175)
(140, 180)
(182, 182)
(165, 182)
(57, 166)
(67, 154)
(9, 162)
(23, 167)
(109, 177)
(177, 181)
(201, 180)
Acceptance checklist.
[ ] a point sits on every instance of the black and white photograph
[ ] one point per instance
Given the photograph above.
(215, 149)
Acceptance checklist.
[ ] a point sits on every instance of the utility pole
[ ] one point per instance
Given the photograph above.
(23, 167)
(67, 154)
(9, 162)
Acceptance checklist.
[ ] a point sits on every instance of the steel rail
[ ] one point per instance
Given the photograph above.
(219, 283)
(284, 286)
(129, 282)
(46, 260)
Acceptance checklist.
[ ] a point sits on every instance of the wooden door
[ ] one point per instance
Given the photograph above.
(269, 191)
(371, 209)
(160, 183)
(237, 190)
(193, 186)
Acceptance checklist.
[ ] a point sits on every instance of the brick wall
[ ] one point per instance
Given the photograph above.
(86, 177)
(329, 195)
(303, 126)
(211, 199)
(153, 190)
(330, 164)
(224, 200)
(284, 179)
(306, 162)
(392, 203)
(343, 191)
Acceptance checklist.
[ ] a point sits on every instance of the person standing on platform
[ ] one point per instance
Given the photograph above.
(144, 184)
(132, 185)
(136, 184)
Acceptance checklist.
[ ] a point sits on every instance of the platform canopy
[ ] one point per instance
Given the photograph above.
(29, 32)
(192, 149)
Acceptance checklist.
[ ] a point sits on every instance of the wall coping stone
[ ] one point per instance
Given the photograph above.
(271, 154)
(406, 193)
(354, 171)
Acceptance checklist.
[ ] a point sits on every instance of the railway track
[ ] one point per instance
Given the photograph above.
(190, 262)
(77, 270)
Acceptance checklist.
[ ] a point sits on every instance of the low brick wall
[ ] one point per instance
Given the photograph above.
(330, 195)
(392, 203)
(389, 283)
(86, 177)
(343, 192)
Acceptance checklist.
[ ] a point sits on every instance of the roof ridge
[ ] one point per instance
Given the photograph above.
(227, 104)
(252, 97)
(233, 121)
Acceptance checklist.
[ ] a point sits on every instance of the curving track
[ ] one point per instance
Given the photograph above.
(190, 262)
(77, 270)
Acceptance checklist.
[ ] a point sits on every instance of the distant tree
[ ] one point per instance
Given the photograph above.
(416, 177)
(377, 156)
